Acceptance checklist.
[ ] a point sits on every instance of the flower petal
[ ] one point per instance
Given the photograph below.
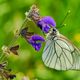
(37, 38)
(40, 24)
(36, 41)
(45, 23)
(37, 46)
(49, 20)
(46, 28)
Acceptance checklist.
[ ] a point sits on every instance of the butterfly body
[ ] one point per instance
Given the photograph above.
(59, 53)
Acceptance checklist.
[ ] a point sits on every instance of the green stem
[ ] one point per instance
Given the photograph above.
(3, 56)
(62, 23)
(17, 36)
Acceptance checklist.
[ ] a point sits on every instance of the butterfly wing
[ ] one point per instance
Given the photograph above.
(60, 54)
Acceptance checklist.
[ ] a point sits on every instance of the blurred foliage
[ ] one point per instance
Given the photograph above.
(29, 62)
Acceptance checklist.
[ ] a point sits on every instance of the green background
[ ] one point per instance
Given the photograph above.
(29, 62)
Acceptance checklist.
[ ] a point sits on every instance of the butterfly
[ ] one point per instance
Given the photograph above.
(59, 53)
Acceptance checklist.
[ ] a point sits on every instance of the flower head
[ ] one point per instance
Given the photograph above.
(33, 39)
(33, 13)
(46, 23)
(36, 41)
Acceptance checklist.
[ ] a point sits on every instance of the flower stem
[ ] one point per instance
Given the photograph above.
(18, 33)
(2, 57)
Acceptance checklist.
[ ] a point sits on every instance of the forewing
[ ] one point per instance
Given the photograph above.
(60, 54)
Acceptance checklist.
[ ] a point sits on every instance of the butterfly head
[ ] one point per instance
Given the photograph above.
(53, 32)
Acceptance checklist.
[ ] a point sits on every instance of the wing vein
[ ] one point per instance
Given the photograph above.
(64, 42)
(50, 55)
(47, 47)
(47, 54)
(58, 56)
(67, 57)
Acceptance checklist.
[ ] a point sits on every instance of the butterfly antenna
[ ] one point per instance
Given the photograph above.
(62, 23)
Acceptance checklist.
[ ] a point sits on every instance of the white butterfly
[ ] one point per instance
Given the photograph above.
(59, 53)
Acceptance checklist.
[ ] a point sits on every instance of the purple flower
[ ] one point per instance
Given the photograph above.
(46, 23)
(35, 41)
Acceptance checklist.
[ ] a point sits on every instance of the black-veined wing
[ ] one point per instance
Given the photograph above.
(60, 54)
